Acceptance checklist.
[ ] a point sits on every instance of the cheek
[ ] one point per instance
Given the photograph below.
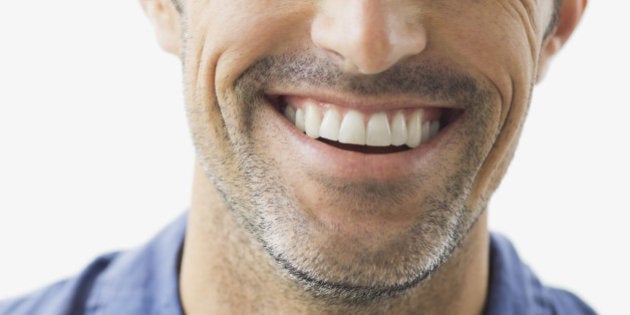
(222, 39)
(494, 40)
(239, 32)
(503, 55)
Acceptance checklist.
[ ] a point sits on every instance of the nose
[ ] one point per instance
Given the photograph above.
(369, 36)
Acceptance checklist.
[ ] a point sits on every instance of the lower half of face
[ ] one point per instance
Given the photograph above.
(352, 220)
(358, 186)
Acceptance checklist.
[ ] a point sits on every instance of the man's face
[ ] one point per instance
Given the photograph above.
(342, 217)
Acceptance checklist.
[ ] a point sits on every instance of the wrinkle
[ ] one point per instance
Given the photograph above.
(523, 10)
(506, 117)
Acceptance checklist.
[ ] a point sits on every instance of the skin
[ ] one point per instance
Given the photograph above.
(272, 229)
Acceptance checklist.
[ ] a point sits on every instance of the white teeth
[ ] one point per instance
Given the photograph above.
(414, 130)
(289, 113)
(352, 128)
(399, 129)
(330, 125)
(299, 119)
(312, 121)
(378, 132)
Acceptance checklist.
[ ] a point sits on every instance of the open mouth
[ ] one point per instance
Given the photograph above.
(369, 132)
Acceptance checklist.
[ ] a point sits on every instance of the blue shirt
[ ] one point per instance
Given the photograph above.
(145, 281)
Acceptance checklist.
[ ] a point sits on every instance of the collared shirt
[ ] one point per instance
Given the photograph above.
(145, 281)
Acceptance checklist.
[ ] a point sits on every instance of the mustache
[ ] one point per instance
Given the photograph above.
(430, 79)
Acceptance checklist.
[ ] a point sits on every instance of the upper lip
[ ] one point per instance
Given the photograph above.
(381, 102)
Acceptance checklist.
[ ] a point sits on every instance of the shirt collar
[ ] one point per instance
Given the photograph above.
(513, 288)
(145, 280)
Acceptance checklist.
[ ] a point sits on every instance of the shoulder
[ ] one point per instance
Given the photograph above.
(139, 281)
(64, 297)
(559, 301)
(515, 289)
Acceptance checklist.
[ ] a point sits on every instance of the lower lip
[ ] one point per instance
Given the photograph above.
(327, 159)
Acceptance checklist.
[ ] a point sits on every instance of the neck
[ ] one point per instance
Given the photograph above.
(225, 271)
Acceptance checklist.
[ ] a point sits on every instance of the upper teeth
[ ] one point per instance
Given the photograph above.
(402, 128)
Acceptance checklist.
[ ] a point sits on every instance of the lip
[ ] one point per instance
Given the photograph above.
(371, 103)
(326, 159)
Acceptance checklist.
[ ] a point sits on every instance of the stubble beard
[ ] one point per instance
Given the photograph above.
(265, 205)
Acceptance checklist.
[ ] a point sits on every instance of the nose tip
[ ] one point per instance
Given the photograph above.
(368, 36)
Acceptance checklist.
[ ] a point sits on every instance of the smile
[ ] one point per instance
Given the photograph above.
(378, 137)
(366, 130)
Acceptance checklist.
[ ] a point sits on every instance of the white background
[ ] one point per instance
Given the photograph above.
(95, 155)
